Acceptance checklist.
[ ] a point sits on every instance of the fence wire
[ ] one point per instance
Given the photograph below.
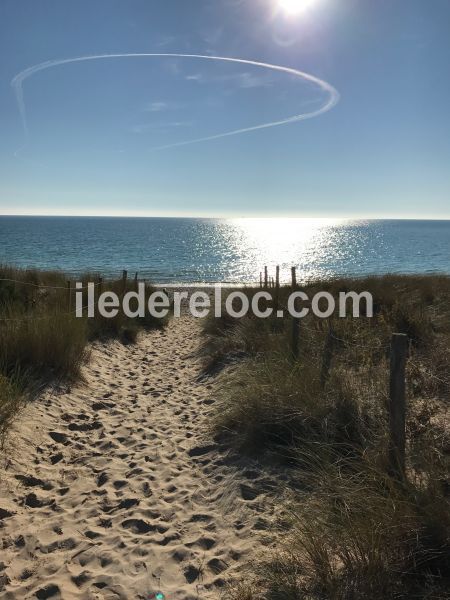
(48, 287)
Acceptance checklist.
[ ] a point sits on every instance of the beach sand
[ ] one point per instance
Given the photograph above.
(112, 489)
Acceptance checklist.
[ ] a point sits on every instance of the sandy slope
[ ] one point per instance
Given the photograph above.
(112, 490)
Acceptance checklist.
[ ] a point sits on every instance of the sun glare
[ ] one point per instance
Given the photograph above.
(295, 6)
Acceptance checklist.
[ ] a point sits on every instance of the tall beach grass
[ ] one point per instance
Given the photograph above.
(354, 532)
(41, 339)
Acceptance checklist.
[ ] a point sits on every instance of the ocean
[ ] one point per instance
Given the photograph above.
(194, 250)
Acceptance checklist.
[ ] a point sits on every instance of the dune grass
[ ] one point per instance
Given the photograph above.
(354, 533)
(41, 339)
(11, 402)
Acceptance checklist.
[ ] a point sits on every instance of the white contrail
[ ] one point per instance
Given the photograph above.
(333, 95)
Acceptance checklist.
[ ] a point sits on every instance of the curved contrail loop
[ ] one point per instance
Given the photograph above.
(333, 94)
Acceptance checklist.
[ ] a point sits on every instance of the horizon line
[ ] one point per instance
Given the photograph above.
(229, 216)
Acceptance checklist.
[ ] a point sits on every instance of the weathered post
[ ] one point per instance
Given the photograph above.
(69, 296)
(295, 322)
(124, 289)
(124, 281)
(99, 288)
(294, 278)
(266, 277)
(327, 356)
(276, 298)
(260, 279)
(397, 405)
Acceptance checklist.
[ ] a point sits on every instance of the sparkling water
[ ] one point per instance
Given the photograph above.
(180, 250)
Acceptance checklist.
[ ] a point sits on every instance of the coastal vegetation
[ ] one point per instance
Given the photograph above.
(41, 338)
(347, 528)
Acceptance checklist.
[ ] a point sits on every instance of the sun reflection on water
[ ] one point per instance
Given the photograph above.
(286, 242)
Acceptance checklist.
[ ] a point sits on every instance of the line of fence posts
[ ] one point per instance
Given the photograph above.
(397, 378)
(100, 289)
(397, 375)
(99, 286)
(275, 283)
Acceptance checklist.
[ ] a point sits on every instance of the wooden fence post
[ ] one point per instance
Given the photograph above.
(99, 288)
(260, 279)
(294, 278)
(69, 296)
(124, 281)
(266, 277)
(327, 356)
(276, 298)
(295, 322)
(124, 289)
(397, 405)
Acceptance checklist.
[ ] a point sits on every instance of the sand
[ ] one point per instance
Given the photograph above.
(112, 489)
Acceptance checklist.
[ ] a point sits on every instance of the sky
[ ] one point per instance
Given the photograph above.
(108, 136)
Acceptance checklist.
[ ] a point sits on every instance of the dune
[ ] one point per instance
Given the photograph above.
(110, 488)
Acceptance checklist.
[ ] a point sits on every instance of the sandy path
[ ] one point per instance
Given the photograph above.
(111, 489)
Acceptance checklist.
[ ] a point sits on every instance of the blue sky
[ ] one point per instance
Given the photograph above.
(96, 128)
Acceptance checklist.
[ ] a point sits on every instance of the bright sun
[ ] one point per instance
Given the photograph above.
(295, 6)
